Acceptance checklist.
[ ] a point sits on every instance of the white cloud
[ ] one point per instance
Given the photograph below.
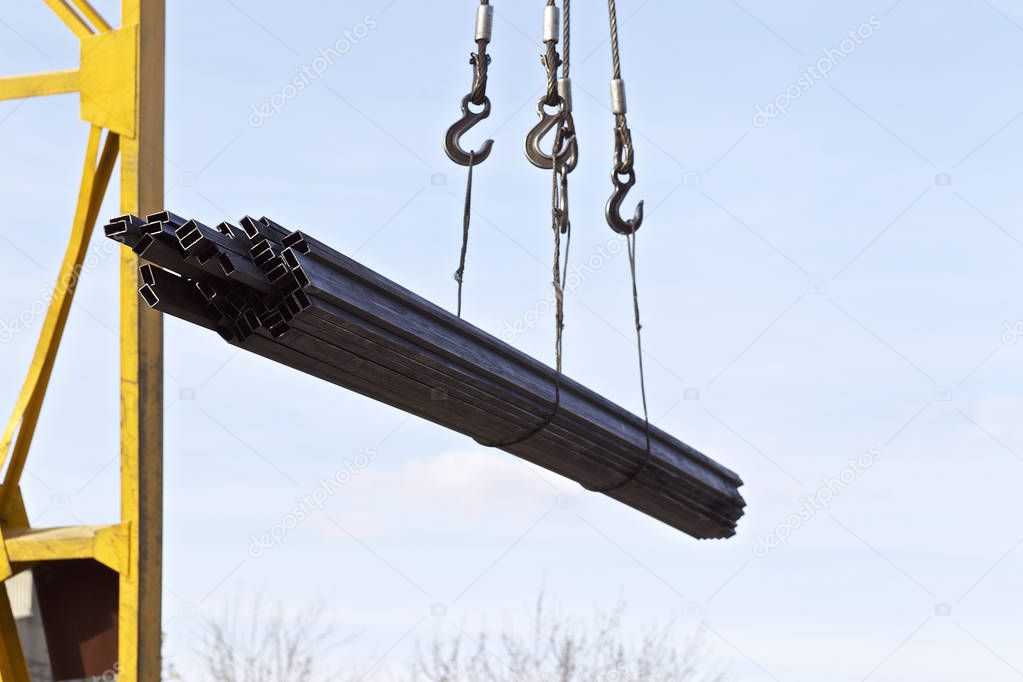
(470, 487)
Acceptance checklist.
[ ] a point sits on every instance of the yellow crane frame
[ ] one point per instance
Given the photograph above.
(120, 80)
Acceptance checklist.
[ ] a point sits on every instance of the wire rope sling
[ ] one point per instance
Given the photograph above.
(556, 116)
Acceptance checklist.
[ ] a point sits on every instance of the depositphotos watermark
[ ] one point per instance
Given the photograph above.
(818, 501)
(307, 74)
(576, 275)
(1012, 332)
(109, 675)
(310, 503)
(620, 672)
(810, 75)
(26, 317)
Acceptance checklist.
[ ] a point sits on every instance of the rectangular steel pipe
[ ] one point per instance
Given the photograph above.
(328, 316)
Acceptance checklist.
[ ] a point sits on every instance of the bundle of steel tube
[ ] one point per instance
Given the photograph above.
(287, 297)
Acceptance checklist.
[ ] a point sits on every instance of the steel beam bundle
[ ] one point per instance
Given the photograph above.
(285, 296)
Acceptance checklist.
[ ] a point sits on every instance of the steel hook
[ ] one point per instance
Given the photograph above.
(613, 210)
(569, 154)
(453, 139)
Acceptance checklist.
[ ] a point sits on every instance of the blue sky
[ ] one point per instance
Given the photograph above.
(835, 281)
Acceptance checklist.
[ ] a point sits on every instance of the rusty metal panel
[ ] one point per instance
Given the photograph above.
(78, 601)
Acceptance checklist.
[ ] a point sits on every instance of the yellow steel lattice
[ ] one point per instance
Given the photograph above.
(120, 81)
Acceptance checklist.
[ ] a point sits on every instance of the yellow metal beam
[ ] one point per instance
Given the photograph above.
(92, 15)
(70, 17)
(95, 177)
(109, 67)
(105, 544)
(142, 161)
(12, 657)
(13, 667)
(122, 84)
(39, 84)
(56, 314)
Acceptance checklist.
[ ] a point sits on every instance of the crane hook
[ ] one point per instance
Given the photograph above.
(568, 157)
(453, 139)
(613, 210)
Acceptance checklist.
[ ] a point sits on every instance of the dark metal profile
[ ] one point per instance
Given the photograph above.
(292, 299)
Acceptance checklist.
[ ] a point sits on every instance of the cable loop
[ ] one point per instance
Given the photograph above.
(625, 153)
(624, 177)
(564, 156)
(551, 61)
(480, 62)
